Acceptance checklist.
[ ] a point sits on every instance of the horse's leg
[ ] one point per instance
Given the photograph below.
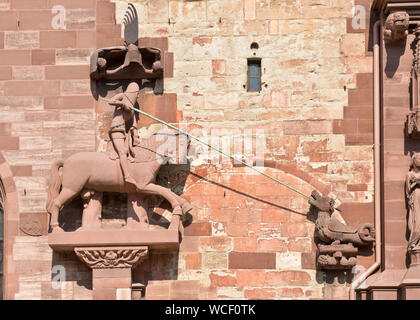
(172, 199)
(166, 193)
(65, 196)
(92, 209)
(185, 205)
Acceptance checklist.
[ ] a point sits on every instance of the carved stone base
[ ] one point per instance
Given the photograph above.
(414, 257)
(111, 269)
(410, 285)
(336, 256)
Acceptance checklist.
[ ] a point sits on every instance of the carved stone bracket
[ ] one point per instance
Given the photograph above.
(396, 26)
(112, 257)
(338, 242)
(127, 62)
(336, 256)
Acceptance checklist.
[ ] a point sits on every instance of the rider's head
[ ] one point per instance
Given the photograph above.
(132, 92)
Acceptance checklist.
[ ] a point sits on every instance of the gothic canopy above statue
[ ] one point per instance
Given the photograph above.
(128, 61)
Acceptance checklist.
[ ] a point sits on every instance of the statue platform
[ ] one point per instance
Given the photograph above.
(154, 239)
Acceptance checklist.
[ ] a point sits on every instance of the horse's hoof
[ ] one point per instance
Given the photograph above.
(186, 207)
(57, 230)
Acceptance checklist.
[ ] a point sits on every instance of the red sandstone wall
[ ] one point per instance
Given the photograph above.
(249, 238)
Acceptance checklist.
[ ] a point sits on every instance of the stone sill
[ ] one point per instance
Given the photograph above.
(154, 239)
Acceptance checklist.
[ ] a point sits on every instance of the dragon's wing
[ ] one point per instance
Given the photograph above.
(131, 23)
(337, 226)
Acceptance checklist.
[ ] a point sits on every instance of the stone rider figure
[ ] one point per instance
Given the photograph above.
(123, 131)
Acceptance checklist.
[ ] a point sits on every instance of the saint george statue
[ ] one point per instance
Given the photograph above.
(412, 190)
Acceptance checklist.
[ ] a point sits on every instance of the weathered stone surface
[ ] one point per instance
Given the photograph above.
(21, 40)
(316, 129)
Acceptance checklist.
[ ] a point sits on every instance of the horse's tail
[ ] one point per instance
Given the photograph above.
(55, 184)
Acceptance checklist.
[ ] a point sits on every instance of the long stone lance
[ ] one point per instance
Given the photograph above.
(220, 151)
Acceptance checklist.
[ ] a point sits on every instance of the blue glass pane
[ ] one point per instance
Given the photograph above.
(254, 69)
(254, 84)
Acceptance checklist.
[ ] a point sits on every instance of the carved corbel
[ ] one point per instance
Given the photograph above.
(396, 26)
(336, 256)
(112, 257)
(127, 62)
(337, 243)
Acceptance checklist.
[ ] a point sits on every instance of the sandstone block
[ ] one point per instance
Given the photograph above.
(58, 39)
(15, 57)
(73, 56)
(28, 73)
(35, 19)
(21, 40)
(43, 57)
(287, 278)
(215, 260)
(245, 260)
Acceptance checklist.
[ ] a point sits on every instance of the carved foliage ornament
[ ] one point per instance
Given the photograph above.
(336, 256)
(112, 257)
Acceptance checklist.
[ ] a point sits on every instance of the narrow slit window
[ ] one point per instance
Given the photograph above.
(254, 75)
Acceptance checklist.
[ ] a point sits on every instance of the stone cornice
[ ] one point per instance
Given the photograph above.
(389, 6)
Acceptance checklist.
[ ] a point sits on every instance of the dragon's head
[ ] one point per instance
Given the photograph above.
(321, 203)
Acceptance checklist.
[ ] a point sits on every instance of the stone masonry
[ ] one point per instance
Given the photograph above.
(250, 238)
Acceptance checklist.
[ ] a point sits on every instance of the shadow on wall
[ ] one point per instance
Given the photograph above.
(394, 51)
(411, 146)
(247, 195)
(163, 265)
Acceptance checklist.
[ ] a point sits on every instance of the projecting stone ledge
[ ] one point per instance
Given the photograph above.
(154, 239)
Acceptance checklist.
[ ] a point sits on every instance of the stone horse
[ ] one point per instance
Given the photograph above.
(85, 173)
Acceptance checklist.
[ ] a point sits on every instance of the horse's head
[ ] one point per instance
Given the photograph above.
(321, 203)
(174, 146)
